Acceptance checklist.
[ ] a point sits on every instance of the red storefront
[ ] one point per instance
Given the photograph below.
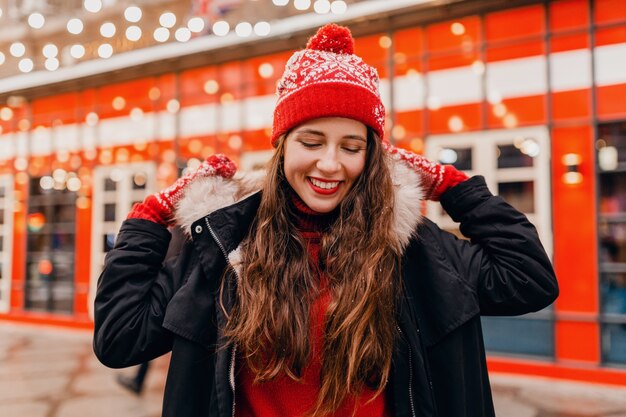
(530, 96)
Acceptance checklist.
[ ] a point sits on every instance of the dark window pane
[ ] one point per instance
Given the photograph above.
(518, 335)
(109, 184)
(109, 212)
(1, 243)
(612, 241)
(613, 291)
(2, 191)
(612, 192)
(509, 156)
(461, 158)
(520, 195)
(108, 241)
(614, 342)
(1, 216)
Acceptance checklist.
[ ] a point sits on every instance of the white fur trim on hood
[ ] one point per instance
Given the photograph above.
(208, 194)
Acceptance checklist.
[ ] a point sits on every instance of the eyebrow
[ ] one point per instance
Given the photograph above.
(319, 133)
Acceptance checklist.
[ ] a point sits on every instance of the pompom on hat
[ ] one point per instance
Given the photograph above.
(327, 80)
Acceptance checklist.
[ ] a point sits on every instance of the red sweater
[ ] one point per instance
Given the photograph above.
(284, 397)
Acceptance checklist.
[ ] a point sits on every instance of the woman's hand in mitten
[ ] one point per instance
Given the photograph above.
(436, 178)
(159, 207)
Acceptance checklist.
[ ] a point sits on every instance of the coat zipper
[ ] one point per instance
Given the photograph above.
(231, 371)
(410, 373)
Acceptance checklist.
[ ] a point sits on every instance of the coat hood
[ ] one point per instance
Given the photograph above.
(208, 194)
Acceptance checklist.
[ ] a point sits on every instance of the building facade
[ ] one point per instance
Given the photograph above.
(528, 94)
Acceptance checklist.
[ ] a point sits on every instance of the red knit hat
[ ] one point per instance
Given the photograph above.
(327, 80)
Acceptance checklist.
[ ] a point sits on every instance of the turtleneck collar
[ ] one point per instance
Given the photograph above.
(309, 220)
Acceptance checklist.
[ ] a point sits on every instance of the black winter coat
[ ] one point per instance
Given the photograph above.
(144, 308)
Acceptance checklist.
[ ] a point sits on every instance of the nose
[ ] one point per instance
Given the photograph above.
(328, 162)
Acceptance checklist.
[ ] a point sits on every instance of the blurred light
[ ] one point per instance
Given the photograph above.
(301, 4)
(572, 178)
(211, 87)
(116, 175)
(59, 174)
(173, 106)
(455, 124)
(77, 51)
(457, 28)
(6, 114)
(384, 42)
(136, 114)
(161, 34)
(608, 158)
(510, 121)
(321, 6)
(196, 24)
(46, 182)
(398, 132)
(167, 20)
(499, 110)
(75, 26)
(221, 28)
(92, 119)
(266, 70)
(140, 179)
(262, 28)
(82, 202)
(193, 164)
(2, 58)
(118, 103)
(478, 67)
(93, 6)
(20, 164)
(182, 34)
(132, 14)
(417, 144)
(23, 125)
(235, 142)
(105, 50)
(107, 30)
(280, 2)
(530, 147)
(338, 7)
(35, 222)
(447, 156)
(52, 64)
(154, 93)
(0, 11)
(243, 29)
(133, 33)
(74, 184)
(26, 65)
(50, 51)
(36, 20)
(17, 49)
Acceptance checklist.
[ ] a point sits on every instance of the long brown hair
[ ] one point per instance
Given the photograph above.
(270, 317)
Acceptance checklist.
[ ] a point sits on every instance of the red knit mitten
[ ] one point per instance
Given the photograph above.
(436, 178)
(159, 207)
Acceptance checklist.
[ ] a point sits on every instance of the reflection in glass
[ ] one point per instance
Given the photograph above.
(108, 241)
(520, 194)
(50, 249)
(612, 192)
(614, 342)
(460, 158)
(611, 146)
(509, 156)
(613, 292)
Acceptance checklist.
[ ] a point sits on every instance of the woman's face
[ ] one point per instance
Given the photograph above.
(323, 159)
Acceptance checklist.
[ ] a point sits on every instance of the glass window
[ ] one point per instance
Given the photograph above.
(511, 156)
(501, 334)
(461, 158)
(109, 184)
(611, 155)
(109, 212)
(108, 241)
(50, 249)
(140, 179)
(519, 194)
(1, 216)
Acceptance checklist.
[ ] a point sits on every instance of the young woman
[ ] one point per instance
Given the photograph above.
(316, 288)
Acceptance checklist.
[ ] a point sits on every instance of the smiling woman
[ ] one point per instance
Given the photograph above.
(323, 158)
(316, 288)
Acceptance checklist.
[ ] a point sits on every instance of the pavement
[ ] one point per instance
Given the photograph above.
(50, 372)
